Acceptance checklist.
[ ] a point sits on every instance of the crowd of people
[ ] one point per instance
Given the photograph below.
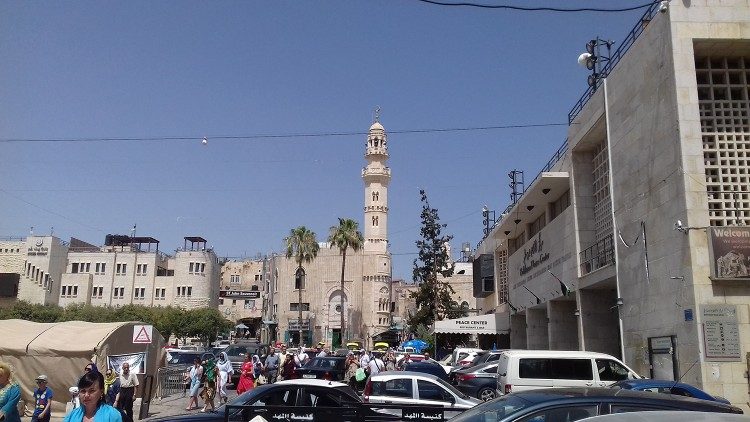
(95, 398)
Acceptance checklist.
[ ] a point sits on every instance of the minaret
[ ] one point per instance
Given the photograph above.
(376, 177)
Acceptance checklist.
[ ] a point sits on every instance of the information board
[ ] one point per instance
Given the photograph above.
(721, 333)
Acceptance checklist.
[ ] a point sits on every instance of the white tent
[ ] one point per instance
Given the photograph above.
(478, 324)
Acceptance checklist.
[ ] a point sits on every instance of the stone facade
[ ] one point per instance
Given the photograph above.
(662, 142)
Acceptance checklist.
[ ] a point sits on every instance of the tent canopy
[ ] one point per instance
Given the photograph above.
(241, 326)
(478, 324)
(61, 351)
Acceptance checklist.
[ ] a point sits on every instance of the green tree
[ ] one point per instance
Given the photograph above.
(433, 298)
(302, 245)
(344, 236)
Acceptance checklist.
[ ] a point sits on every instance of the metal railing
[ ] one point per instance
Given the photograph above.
(598, 255)
(170, 381)
(614, 59)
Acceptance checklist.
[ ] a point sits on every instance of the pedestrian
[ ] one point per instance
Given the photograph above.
(376, 365)
(209, 388)
(402, 363)
(287, 369)
(364, 360)
(257, 369)
(351, 370)
(194, 376)
(111, 386)
(427, 357)
(247, 381)
(390, 361)
(93, 407)
(272, 366)
(10, 393)
(225, 375)
(42, 399)
(90, 367)
(128, 389)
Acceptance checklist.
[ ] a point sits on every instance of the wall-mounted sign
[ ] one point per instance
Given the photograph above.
(533, 256)
(729, 252)
(294, 324)
(37, 251)
(721, 333)
(240, 294)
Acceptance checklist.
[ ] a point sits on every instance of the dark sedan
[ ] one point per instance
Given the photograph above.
(478, 381)
(338, 400)
(327, 368)
(668, 387)
(572, 404)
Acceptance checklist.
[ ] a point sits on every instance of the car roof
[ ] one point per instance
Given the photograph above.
(556, 353)
(404, 374)
(666, 416)
(312, 382)
(610, 394)
(653, 383)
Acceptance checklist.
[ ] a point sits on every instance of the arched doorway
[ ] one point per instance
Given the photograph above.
(334, 318)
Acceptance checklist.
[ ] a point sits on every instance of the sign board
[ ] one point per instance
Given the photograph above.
(142, 334)
(240, 294)
(729, 253)
(721, 333)
(294, 324)
(137, 362)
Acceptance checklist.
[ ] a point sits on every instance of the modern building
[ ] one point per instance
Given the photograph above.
(633, 240)
(126, 270)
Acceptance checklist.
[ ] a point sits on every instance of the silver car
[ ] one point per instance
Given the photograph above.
(405, 387)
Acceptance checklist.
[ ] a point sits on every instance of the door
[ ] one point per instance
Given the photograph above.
(663, 359)
(432, 394)
(336, 338)
(571, 372)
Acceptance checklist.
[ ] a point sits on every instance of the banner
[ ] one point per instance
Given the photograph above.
(730, 253)
(137, 362)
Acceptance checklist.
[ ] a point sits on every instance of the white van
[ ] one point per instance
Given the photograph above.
(520, 370)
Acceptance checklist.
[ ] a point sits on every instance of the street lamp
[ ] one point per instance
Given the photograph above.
(299, 279)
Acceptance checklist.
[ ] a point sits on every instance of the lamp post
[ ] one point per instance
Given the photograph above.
(299, 278)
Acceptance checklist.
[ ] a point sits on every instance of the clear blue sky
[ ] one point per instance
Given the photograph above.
(101, 69)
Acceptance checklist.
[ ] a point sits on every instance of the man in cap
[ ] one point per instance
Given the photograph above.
(43, 399)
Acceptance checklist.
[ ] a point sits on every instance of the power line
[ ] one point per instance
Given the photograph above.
(278, 136)
(537, 9)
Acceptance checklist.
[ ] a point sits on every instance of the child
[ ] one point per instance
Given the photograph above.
(43, 397)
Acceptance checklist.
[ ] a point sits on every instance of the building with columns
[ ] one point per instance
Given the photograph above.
(633, 239)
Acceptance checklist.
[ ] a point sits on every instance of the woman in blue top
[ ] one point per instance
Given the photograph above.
(9, 395)
(93, 406)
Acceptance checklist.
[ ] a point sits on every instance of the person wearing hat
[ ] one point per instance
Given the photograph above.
(43, 399)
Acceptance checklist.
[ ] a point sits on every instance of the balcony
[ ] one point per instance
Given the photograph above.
(598, 255)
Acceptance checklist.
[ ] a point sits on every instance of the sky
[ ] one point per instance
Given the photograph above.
(91, 71)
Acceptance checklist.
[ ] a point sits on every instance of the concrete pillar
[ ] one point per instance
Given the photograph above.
(563, 325)
(599, 321)
(518, 331)
(537, 333)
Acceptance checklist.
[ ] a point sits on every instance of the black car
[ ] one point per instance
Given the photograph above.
(186, 359)
(341, 402)
(428, 368)
(572, 404)
(478, 381)
(327, 368)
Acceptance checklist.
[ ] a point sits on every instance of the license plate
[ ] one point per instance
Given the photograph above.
(308, 376)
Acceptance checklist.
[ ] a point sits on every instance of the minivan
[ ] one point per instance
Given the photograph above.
(520, 370)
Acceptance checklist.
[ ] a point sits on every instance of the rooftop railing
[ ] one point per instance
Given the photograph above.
(614, 59)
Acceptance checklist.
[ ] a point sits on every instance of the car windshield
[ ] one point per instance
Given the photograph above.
(235, 350)
(181, 358)
(494, 410)
(238, 401)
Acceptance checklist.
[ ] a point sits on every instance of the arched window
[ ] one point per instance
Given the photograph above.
(375, 196)
(375, 221)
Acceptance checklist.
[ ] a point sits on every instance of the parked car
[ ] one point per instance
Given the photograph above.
(668, 387)
(460, 353)
(574, 404)
(185, 359)
(478, 381)
(327, 368)
(520, 370)
(341, 401)
(405, 387)
(237, 353)
(668, 416)
(428, 368)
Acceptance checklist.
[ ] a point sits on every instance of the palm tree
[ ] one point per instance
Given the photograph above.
(303, 246)
(345, 235)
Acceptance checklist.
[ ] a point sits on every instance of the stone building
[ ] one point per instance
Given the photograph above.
(633, 240)
(244, 294)
(47, 270)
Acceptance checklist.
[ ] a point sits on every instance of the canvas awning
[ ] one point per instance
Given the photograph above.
(241, 326)
(478, 324)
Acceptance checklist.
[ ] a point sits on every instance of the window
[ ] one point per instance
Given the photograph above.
(74, 268)
(88, 267)
(121, 269)
(399, 387)
(160, 294)
(258, 277)
(139, 293)
(249, 304)
(254, 288)
(537, 225)
(190, 268)
(100, 268)
(235, 279)
(141, 269)
(184, 291)
(570, 369)
(299, 282)
(375, 221)
(625, 408)
(294, 306)
(610, 370)
(118, 293)
(516, 243)
(375, 196)
(560, 205)
(197, 268)
(568, 414)
(277, 397)
(431, 391)
(69, 291)
(97, 292)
